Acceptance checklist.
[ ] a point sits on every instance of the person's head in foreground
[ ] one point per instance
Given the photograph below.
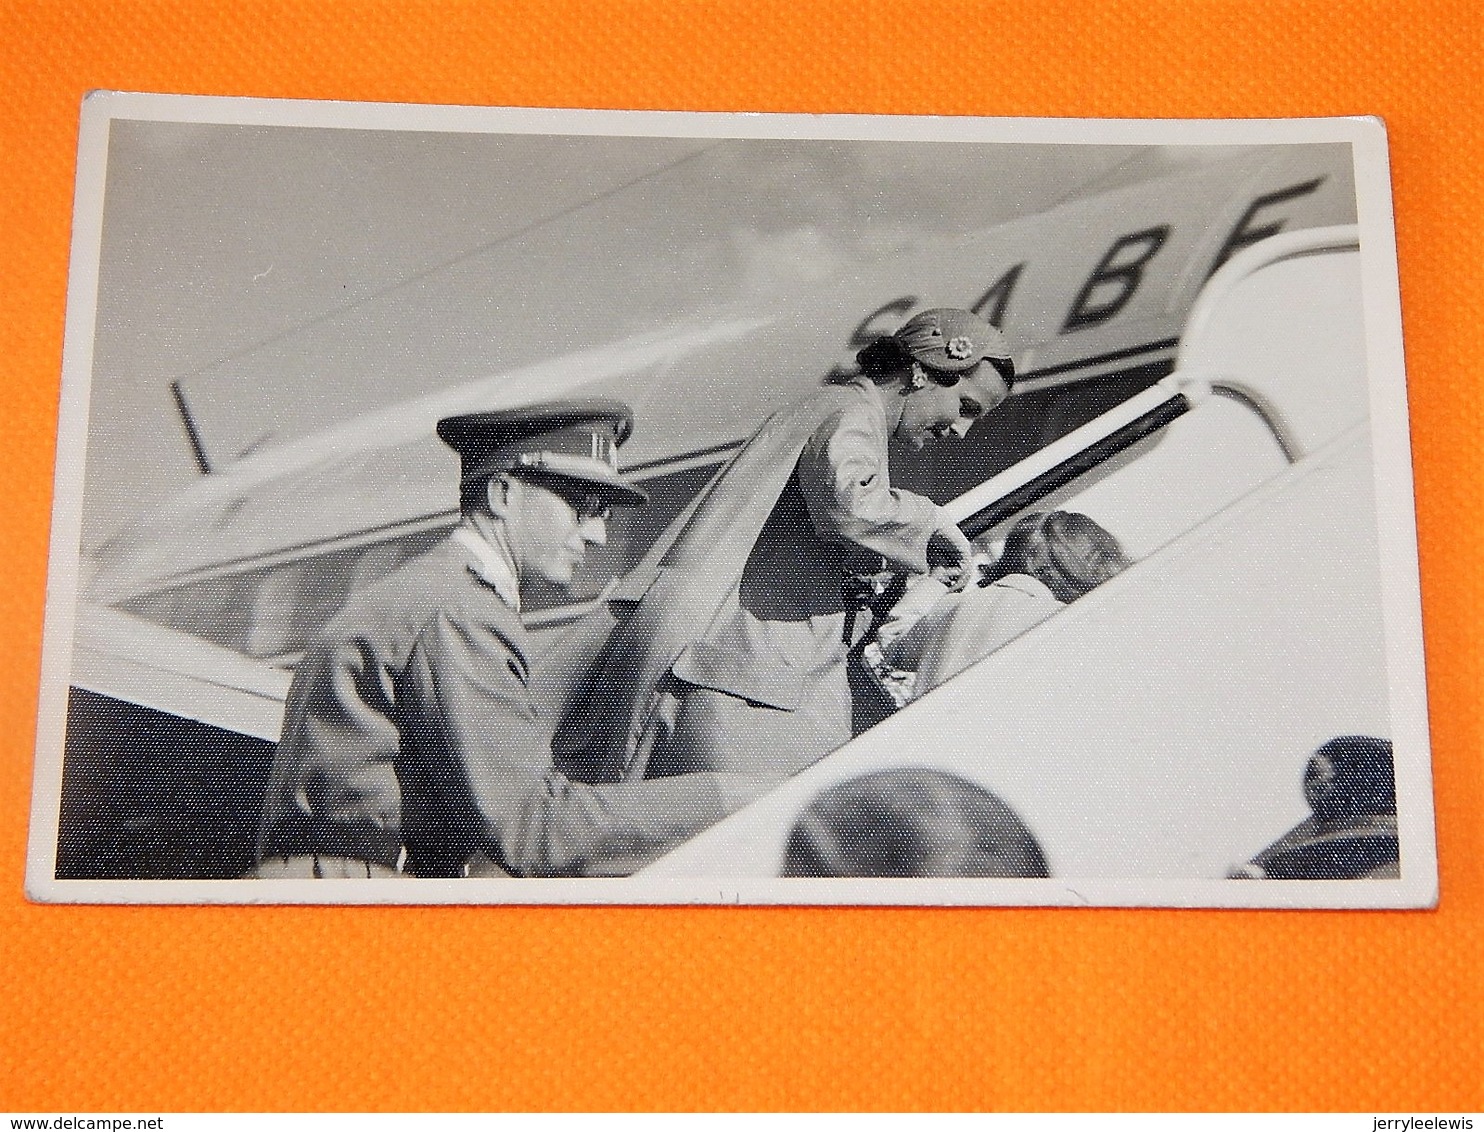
(1065, 551)
(911, 822)
(1349, 785)
(1350, 777)
(539, 481)
(948, 366)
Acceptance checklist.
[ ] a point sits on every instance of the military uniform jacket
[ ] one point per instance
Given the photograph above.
(410, 722)
(749, 594)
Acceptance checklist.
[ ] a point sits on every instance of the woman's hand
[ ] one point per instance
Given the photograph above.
(948, 555)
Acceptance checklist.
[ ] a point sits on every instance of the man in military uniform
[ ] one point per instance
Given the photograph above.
(411, 742)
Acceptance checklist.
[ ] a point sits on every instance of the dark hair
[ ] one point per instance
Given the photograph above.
(474, 495)
(1351, 776)
(911, 822)
(1064, 550)
(886, 356)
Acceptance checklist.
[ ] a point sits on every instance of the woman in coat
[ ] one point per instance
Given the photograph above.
(763, 683)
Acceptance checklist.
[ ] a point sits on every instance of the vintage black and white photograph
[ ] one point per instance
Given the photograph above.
(463, 505)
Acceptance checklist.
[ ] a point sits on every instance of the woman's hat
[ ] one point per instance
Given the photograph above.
(951, 340)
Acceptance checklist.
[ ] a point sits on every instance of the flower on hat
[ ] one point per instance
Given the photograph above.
(960, 347)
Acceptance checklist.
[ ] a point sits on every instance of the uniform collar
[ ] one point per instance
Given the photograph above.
(490, 565)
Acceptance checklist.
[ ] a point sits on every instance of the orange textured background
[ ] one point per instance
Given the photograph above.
(294, 1008)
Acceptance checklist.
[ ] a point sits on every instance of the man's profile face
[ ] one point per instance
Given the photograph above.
(551, 530)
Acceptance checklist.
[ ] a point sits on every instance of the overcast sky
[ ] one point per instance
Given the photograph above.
(288, 278)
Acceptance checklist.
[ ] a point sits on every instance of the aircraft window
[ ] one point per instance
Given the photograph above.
(271, 612)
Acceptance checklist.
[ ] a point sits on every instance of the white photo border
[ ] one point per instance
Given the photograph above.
(1418, 886)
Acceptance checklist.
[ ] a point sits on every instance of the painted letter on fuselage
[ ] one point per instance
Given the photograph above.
(1113, 271)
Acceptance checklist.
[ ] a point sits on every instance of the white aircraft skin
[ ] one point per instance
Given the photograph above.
(1085, 291)
(1095, 296)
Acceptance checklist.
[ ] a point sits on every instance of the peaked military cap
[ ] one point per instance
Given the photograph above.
(574, 440)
